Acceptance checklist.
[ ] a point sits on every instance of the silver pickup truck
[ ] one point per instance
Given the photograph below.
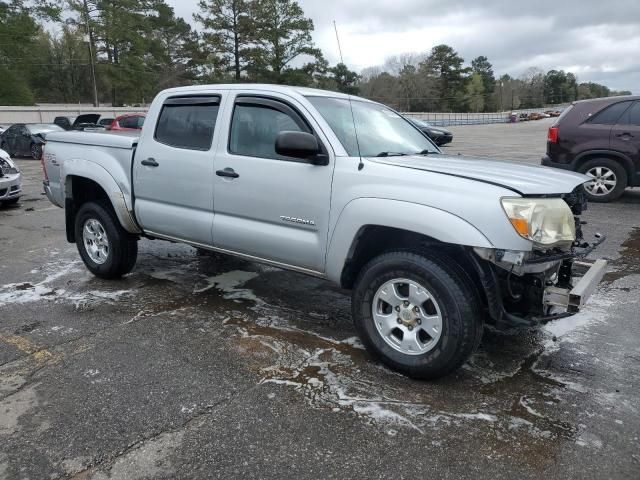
(432, 246)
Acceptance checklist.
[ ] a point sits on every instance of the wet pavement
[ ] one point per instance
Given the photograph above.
(207, 366)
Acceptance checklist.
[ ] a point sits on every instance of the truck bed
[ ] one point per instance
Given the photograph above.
(98, 139)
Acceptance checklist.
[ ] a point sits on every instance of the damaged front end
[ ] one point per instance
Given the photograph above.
(529, 288)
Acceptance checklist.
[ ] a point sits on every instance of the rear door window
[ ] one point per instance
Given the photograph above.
(610, 115)
(188, 122)
(631, 116)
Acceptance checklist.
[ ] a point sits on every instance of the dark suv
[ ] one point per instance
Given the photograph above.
(600, 138)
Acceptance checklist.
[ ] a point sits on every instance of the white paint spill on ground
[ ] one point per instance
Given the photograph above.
(229, 282)
(594, 312)
(27, 292)
(96, 296)
(45, 290)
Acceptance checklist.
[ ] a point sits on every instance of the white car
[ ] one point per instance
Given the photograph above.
(10, 180)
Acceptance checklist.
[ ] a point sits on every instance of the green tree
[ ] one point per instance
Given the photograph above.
(18, 40)
(481, 66)
(446, 65)
(282, 35)
(228, 29)
(475, 92)
(67, 78)
(531, 88)
(346, 80)
(554, 83)
(175, 53)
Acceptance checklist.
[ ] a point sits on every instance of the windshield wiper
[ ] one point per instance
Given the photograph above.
(424, 152)
(391, 154)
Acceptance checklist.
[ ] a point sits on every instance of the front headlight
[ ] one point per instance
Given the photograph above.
(545, 221)
(7, 166)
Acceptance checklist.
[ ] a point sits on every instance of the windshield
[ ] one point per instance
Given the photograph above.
(380, 131)
(44, 128)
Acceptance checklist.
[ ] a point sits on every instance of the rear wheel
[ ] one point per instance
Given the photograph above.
(609, 179)
(417, 312)
(107, 250)
(36, 151)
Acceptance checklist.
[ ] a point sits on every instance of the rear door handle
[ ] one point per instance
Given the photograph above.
(150, 162)
(227, 172)
(625, 134)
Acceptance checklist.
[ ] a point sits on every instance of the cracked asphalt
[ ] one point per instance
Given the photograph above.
(211, 367)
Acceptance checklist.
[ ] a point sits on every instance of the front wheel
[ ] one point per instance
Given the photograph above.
(107, 249)
(417, 312)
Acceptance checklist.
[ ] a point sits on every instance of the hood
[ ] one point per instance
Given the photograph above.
(91, 118)
(522, 179)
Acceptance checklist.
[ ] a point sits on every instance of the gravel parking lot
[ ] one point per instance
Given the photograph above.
(205, 366)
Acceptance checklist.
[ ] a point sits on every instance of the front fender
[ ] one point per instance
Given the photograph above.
(429, 221)
(120, 200)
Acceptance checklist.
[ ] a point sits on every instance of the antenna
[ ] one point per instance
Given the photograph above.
(335, 27)
(353, 117)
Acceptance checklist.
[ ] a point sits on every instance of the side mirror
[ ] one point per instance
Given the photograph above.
(300, 145)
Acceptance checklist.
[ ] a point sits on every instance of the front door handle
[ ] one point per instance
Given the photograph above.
(624, 135)
(150, 162)
(227, 172)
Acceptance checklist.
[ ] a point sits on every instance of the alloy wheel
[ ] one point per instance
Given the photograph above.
(603, 181)
(407, 316)
(95, 240)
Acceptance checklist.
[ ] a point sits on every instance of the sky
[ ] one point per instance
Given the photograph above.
(597, 40)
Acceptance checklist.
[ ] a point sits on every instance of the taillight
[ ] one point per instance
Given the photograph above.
(44, 169)
(553, 135)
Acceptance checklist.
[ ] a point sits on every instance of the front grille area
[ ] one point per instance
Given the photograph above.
(3, 192)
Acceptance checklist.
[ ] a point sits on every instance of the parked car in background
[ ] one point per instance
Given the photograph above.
(105, 122)
(129, 121)
(27, 139)
(439, 136)
(81, 122)
(10, 180)
(64, 122)
(600, 138)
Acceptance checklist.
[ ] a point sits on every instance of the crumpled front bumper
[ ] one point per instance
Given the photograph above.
(524, 290)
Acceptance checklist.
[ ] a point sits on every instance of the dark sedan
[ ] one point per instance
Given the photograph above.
(27, 139)
(439, 136)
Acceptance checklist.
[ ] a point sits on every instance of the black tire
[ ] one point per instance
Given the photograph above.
(123, 247)
(616, 168)
(36, 151)
(462, 318)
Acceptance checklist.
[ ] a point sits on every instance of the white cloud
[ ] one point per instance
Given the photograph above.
(596, 40)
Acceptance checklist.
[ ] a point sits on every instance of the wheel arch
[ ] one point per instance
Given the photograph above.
(87, 181)
(623, 159)
(369, 227)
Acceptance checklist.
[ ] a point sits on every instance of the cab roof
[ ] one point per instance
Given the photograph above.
(285, 89)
